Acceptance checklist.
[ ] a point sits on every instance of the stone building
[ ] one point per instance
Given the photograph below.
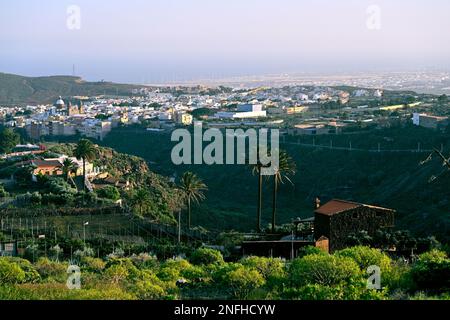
(337, 219)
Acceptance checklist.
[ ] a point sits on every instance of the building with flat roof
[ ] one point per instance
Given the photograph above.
(429, 121)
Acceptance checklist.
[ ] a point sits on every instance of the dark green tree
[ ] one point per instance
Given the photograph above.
(85, 150)
(286, 168)
(192, 187)
(8, 140)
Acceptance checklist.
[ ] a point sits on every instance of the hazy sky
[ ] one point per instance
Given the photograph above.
(170, 40)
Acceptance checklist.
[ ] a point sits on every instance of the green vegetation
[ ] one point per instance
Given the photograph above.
(392, 179)
(286, 168)
(192, 188)
(85, 150)
(204, 275)
(8, 140)
(159, 198)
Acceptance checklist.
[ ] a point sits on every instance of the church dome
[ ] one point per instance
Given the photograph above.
(60, 102)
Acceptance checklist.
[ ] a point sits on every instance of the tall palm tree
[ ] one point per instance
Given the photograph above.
(140, 200)
(68, 167)
(85, 150)
(286, 168)
(192, 187)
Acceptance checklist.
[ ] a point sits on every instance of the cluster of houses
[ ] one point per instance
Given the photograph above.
(96, 177)
(95, 117)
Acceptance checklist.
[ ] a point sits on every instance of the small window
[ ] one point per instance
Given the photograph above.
(355, 215)
(378, 214)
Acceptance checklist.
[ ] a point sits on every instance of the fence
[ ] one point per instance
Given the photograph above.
(377, 149)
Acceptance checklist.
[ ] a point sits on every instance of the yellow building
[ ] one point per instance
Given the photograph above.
(296, 109)
(185, 119)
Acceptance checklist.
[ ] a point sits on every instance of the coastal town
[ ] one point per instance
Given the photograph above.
(297, 110)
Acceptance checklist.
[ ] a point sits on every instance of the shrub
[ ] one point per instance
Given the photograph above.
(272, 269)
(57, 199)
(93, 264)
(398, 278)
(145, 260)
(116, 273)
(310, 250)
(365, 257)
(431, 271)
(240, 279)
(57, 291)
(194, 273)
(58, 186)
(149, 286)
(31, 274)
(116, 254)
(50, 269)
(206, 256)
(171, 269)
(133, 272)
(325, 270)
(147, 290)
(56, 252)
(10, 272)
(109, 192)
(86, 252)
(352, 291)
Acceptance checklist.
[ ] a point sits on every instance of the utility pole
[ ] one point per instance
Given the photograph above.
(179, 226)
(84, 232)
(292, 245)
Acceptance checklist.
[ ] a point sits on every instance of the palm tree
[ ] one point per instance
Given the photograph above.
(68, 167)
(85, 150)
(140, 200)
(192, 187)
(286, 167)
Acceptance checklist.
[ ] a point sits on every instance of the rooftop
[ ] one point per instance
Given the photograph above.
(337, 206)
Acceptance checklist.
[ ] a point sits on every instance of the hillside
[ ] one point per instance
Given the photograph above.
(17, 90)
(395, 180)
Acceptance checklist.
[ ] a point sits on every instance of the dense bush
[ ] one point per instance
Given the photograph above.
(93, 264)
(272, 269)
(324, 270)
(241, 280)
(10, 272)
(109, 192)
(59, 186)
(206, 256)
(31, 274)
(317, 276)
(145, 260)
(365, 257)
(432, 271)
(52, 270)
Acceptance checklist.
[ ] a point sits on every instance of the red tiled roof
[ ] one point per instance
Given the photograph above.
(337, 206)
(46, 163)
